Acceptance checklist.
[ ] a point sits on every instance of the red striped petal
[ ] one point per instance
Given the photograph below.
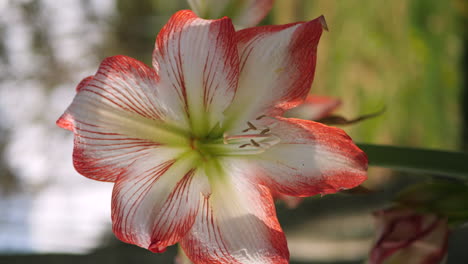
(310, 159)
(277, 69)
(407, 236)
(197, 61)
(236, 224)
(115, 117)
(155, 206)
(84, 83)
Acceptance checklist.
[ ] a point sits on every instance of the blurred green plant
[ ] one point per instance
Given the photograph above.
(402, 54)
(444, 163)
(444, 198)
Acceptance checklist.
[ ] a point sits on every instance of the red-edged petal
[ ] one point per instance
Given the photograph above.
(406, 236)
(315, 107)
(158, 204)
(438, 238)
(84, 83)
(114, 117)
(277, 65)
(311, 158)
(197, 60)
(236, 224)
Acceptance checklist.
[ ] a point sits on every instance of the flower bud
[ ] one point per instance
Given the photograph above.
(404, 236)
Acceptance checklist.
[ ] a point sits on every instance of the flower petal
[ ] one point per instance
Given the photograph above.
(407, 236)
(277, 69)
(315, 107)
(117, 119)
(156, 203)
(310, 159)
(197, 61)
(236, 224)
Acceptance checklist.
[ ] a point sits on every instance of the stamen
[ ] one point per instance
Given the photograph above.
(255, 143)
(251, 126)
(247, 144)
(264, 131)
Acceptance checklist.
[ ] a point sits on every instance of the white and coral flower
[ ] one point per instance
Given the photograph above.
(197, 143)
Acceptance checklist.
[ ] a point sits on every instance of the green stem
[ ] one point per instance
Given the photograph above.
(418, 160)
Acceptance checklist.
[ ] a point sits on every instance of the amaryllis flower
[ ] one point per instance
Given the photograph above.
(404, 236)
(196, 144)
(244, 13)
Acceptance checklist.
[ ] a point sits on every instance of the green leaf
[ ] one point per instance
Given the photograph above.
(418, 160)
(430, 192)
(442, 197)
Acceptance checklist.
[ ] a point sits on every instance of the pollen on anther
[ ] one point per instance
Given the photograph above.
(251, 126)
(255, 143)
(264, 131)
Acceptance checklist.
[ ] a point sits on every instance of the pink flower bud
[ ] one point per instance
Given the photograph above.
(404, 236)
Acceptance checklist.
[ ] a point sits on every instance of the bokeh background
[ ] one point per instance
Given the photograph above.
(409, 56)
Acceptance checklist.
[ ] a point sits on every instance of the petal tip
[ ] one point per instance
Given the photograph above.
(184, 14)
(156, 247)
(323, 22)
(65, 122)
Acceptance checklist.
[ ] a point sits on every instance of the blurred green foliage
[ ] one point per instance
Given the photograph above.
(401, 54)
(442, 197)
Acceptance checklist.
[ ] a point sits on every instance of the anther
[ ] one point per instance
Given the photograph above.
(260, 117)
(251, 126)
(255, 143)
(245, 145)
(264, 131)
